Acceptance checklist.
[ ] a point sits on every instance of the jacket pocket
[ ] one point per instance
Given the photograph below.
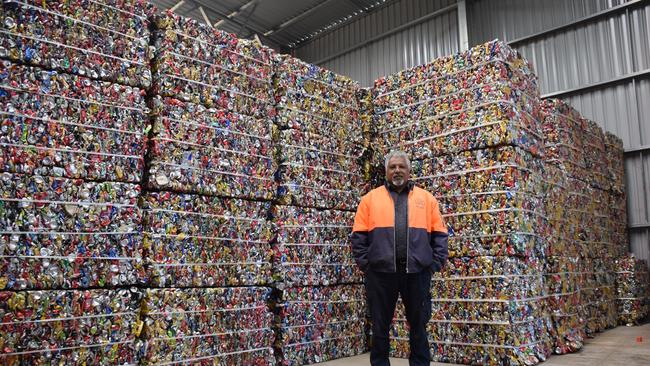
(420, 252)
(381, 253)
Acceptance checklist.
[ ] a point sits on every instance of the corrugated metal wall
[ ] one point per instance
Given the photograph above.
(599, 64)
(351, 49)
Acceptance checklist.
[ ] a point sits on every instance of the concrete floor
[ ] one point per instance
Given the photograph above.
(621, 346)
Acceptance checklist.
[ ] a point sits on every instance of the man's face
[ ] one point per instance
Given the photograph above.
(397, 172)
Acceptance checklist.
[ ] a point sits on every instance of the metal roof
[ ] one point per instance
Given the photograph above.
(281, 24)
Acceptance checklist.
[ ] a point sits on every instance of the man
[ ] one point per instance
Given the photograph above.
(399, 239)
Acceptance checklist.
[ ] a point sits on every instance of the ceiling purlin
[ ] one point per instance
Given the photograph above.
(346, 19)
(294, 19)
(361, 6)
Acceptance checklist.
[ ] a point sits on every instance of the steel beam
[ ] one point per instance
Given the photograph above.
(637, 150)
(463, 34)
(207, 5)
(600, 84)
(205, 16)
(640, 226)
(235, 13)
(178, 5)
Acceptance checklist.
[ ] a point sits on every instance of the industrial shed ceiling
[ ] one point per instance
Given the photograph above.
(281, 24)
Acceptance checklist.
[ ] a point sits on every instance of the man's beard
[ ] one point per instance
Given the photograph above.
(398, 181)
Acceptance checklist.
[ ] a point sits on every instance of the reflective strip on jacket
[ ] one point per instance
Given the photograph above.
(373, 233)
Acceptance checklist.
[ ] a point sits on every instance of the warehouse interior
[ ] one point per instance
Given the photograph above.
(179, 178)
(584, 52)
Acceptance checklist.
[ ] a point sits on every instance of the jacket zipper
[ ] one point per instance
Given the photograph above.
(394, 233)
(408, 228)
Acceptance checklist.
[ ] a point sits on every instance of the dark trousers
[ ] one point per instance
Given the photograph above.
(382, 290)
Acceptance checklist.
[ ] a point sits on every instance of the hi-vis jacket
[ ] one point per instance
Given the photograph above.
(373, 233)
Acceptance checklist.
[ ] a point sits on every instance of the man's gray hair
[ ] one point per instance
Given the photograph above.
(397, 154)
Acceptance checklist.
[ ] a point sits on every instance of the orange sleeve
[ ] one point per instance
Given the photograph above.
(361, 219)
(359, 237)
(437, 222)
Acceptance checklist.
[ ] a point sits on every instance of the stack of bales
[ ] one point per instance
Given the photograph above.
(564, 200)
(599, 290)
(73, 120)
(471, 124)
(321, 142)
(632, 285)
(209, 183)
